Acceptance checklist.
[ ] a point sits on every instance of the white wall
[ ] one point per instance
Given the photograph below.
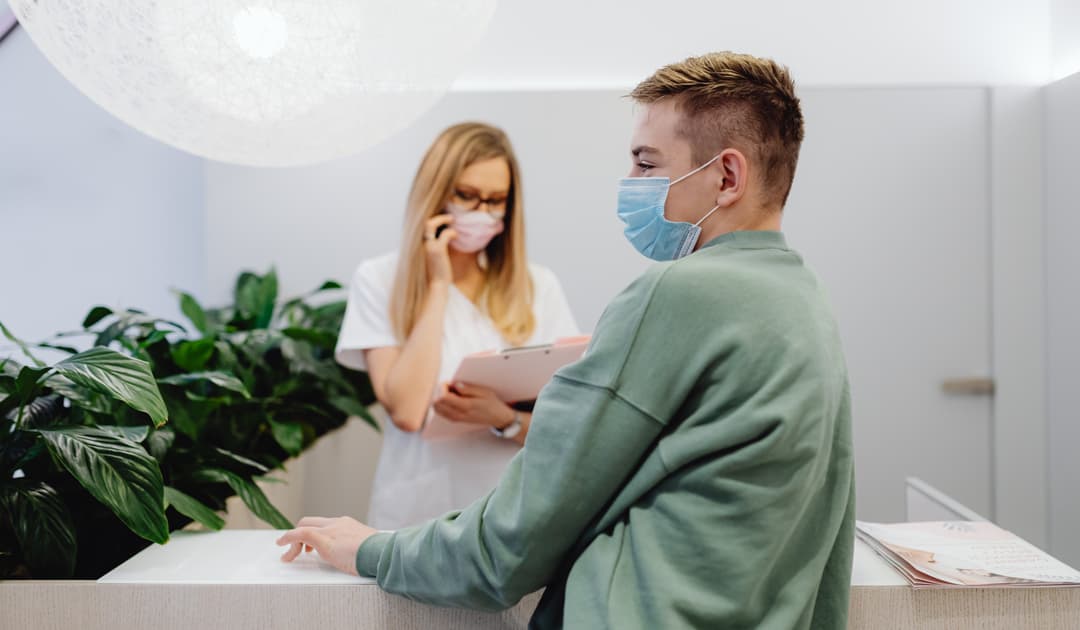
(603, 43)
(1063, 314)
(91, 211)
(1064, 38)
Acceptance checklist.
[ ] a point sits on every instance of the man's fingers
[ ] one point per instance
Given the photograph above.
(293, 551)
(307, 535)
(314, 521)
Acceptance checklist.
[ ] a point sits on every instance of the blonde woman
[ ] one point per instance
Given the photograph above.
(460, 284)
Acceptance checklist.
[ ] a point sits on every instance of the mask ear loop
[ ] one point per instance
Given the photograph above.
(707, 215)
(696, 170)
(716, 207)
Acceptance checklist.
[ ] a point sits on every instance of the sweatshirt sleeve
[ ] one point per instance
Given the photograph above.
(585, 441)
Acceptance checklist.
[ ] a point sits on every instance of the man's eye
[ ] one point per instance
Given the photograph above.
(644, 167)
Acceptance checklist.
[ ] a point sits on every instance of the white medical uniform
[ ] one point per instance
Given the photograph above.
(420, 478)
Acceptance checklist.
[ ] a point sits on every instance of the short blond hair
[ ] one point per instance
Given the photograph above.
(731, 100)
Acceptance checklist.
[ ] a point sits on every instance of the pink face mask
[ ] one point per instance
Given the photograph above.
(474, 228)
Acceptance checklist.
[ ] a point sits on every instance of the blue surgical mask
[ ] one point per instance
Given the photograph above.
(641, 208)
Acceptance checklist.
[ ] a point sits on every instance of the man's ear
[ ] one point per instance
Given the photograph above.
(734, 177)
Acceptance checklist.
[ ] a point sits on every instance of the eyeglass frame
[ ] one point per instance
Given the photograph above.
(474, 201)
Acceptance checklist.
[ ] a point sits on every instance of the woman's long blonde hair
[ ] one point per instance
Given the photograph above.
(507, 296)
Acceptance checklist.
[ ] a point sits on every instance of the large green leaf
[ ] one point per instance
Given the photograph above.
(187, 418)
(240, 459)
(328, 316)
(53, 346)
(95, 315)
(193, 508)
(302, 360)
(192, 356)
(9, 367)
(43, 527)
(268, 292)
(228, 361)
(191, 309)
(250, 494)
(28, 383)
(159, 442)
(245, 293)
(221, 379)
(135, 434)
(131, 319)
(89, 399)
(152, 338)
(118, 473)
(290, 435)
(123, 377)
(256, 297)
(300, 301)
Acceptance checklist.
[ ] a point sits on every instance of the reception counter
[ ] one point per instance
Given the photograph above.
(233, 579)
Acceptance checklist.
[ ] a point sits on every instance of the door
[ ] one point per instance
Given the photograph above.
(891, 208)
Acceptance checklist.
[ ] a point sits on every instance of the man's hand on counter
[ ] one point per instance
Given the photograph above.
(336, 540)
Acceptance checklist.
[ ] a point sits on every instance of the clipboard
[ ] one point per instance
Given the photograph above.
(514, 374)
(518, 374)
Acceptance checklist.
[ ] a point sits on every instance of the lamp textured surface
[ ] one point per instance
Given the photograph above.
(260, 82)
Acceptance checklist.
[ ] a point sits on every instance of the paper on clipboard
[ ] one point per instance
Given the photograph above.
(514, 374)
(518, 374)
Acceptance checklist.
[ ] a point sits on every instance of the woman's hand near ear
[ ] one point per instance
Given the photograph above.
(437, 249)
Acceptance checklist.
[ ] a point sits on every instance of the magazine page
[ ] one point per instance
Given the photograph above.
(964, 553)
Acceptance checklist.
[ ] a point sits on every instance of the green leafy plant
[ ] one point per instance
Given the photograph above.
(254, 384)
(43, 441)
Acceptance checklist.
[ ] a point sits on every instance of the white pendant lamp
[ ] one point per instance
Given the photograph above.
(260, 82)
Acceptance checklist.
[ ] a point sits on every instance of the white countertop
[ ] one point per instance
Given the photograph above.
(232, 556)
(241, 556)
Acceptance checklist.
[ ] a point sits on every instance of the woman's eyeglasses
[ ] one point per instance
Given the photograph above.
(473, 201)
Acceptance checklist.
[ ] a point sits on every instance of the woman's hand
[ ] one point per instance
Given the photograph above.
(438, 249)
(335, 539)
(474, 405)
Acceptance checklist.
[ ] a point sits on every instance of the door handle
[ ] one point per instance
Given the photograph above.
(969, 386)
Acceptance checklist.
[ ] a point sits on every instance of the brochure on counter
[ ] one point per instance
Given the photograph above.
(959, 554)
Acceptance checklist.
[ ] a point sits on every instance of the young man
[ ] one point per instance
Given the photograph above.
(694, 469)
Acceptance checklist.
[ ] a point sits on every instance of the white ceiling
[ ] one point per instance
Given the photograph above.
(587, 43)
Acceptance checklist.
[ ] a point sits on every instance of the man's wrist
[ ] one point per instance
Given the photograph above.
(367, 556)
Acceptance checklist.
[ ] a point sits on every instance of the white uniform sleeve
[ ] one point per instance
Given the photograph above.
(366, 323)
(554, 319)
